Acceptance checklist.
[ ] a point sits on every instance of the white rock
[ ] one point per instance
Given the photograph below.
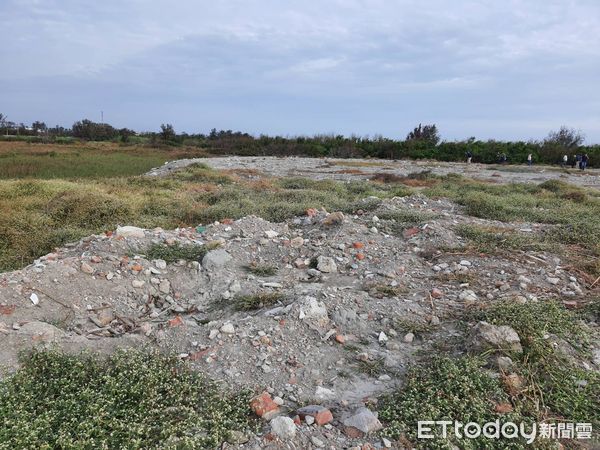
(216, 259)
(283, 427)
(165, 286)
(228, 328)
(160, 264)
(326, 264)
(271, 234)
(468, 295)
(34, 299)
(382, 337)
(138, 283)
(409, 337)
(313, 310)
(129, 231)
(323, 394)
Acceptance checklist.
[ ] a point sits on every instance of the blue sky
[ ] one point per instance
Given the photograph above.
(492, 69)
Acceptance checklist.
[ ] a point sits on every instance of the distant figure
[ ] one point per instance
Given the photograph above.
(529, 159)
(564, 161)
(573, 161)
(469, 157)
(503, 158)
(578, 158)
(584, 161)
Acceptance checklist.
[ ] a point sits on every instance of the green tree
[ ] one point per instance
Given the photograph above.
(428, 134)
(167, 132)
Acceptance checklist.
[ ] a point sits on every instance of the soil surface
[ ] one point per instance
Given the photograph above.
(353, 169)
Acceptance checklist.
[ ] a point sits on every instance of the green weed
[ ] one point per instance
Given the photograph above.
(132, 399)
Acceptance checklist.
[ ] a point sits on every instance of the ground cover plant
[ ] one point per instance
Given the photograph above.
(132, 399)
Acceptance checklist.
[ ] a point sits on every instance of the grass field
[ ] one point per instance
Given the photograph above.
(20, 160)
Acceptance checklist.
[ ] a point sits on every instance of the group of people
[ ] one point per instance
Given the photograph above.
(579, 161)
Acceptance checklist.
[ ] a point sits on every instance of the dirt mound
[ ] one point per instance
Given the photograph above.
(324, 309)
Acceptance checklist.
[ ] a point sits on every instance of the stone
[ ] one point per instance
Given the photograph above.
(160, 264)
(297, 242)
(504, 363)
(86, 268)
(321, 414)
(436, 293)
(317, 442)
(271, 234)
(468, 296)
(216, 259)
(409, 337)
(130, 232)
(34, 299)
(314, 311)
(364, 420)
(485, 336)
(326, 264)
(105, 316)
(264, 406)
(236, 437)
(227, 328)
(165, 286)
(553, 280)
(283, 427)
(335, 218)
(323, 394)
(41, 331)
(138, 283)
(382, 338)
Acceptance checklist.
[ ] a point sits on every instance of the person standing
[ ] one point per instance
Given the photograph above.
(584, 161)
(529, 159)
(469, 156)
(573, 161)
(565, 158)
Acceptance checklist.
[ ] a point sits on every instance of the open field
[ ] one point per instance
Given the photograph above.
(361, 169)
(399, 287)
(20, 160)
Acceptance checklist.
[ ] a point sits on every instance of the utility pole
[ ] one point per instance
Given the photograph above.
(102, 116)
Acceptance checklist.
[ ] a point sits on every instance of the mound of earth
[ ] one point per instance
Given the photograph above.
(324, 309)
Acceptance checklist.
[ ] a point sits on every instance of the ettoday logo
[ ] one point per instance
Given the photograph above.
(430, 429)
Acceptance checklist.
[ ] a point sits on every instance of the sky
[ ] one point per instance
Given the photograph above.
(490, 69)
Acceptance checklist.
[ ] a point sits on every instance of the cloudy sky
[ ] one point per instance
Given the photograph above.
(505, 69)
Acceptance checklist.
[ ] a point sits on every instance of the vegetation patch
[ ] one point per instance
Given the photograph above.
(372, 366)
(556, 386)
(399, 220)
(257, 301)
(447, 389)
(261, 270)
(573, 212)
(491, 239)
(132, 399)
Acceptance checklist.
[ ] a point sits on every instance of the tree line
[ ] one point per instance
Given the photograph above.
(422, 142)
